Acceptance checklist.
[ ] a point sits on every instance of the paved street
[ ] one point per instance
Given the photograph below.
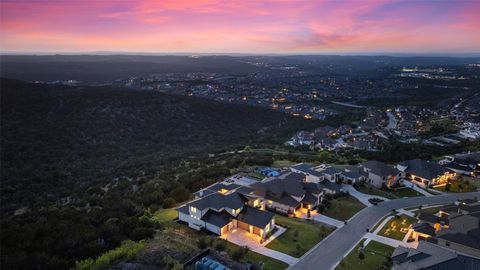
(328, 253)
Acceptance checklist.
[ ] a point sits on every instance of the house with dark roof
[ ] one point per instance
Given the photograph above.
(289, 192)
(465, 163)
(226, 209)
(455, 226)
(462, 234)
(352, 175)
(431, 256)
(380, 174)
(311, 175)
(425, 173)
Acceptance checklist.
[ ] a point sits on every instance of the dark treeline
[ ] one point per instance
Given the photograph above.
(81, 166)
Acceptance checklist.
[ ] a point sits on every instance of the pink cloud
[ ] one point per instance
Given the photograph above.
(240, 26)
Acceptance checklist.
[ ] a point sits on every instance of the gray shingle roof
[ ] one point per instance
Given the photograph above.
(423, 168)
(424, 228)
(255, 217)
(285, 199)
(430, 256)
(219, 201)
(380, 168)
(463, 229)
(307, 169)
(218, 219)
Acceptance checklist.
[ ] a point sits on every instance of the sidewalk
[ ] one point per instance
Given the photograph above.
(388, 241)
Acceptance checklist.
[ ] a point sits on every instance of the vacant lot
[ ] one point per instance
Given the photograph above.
(343, 208)
(375, 256)
(301, 235)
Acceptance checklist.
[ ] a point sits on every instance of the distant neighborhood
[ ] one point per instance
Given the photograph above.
(244, 208)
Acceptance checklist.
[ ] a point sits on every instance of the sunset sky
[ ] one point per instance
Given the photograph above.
(245, 26)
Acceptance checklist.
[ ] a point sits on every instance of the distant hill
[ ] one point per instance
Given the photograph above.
(80, 166)
(105, 68)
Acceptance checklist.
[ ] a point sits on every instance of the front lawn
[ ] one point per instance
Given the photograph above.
(375, 256)
(343, 208)
(301, 236)
(406, 192)
(457, 186)
(374, 191)
(397, 227)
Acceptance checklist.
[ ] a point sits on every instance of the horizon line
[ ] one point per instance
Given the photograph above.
(140, 53)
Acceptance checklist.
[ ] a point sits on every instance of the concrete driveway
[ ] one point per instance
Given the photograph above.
(245, 239)
(328, 253)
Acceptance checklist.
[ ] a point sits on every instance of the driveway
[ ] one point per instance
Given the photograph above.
(362, 197)
(328, 253)
(242, 238)
(417, 188)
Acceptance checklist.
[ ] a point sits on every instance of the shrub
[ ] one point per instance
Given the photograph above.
(202, 243)
(220, 245)
(169, 202)
(128, 250)
(239, 253)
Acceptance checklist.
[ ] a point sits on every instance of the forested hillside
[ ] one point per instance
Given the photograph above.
(79, 166)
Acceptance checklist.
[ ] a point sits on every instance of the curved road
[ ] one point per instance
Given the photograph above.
(329, 252)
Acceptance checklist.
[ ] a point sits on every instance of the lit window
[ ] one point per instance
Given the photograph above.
(193, 209)
(267, 228)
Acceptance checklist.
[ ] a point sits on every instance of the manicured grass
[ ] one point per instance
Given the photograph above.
(458, 186)
(406, 192)
(269, 263)
(301, 235)
(393, 228)
(375, 192)
(376, 256)
(165, 215)
(343, 208)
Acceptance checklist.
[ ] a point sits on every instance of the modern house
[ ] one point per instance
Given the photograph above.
(289, 192)
(331, 174)
(430, 256)
(351, 176)
(311, 175)
(424, 173)
(380, 174)
(226, 209)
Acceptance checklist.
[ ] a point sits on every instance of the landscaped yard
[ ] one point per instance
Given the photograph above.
(301, 235)
(458, 186)
(391, 194)
(396, 228)
(376, 255)
(374, 191)
(405, 192)
(343, 208)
